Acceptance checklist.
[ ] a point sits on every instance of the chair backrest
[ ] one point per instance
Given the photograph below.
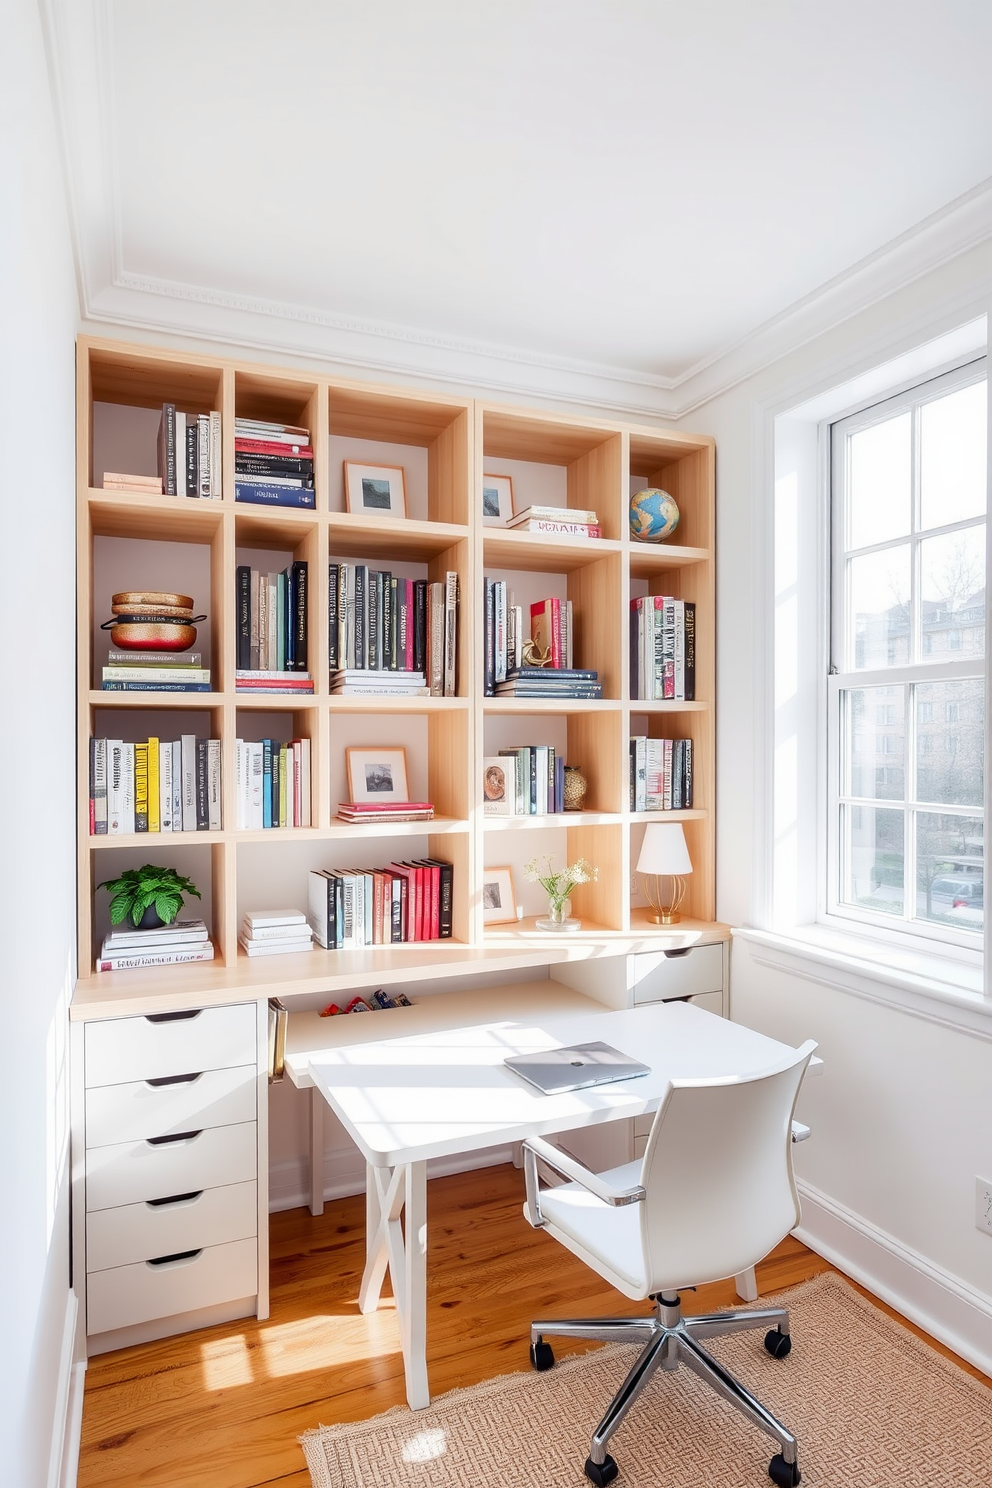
(718, 1175)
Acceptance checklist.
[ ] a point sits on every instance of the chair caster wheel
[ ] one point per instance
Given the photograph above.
(541, 1355)
(601, 1473)
(785, 1474)
(778, 1344)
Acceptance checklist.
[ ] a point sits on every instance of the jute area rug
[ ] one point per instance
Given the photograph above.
(870, 1405)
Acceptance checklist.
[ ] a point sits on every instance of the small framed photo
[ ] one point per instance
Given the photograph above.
(375, 490)
(377, 776)
(499, 903)
(499, 774)
(497, 499)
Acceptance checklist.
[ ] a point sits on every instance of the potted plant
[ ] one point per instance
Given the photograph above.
(149, 896)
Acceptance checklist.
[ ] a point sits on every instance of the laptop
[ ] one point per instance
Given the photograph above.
(577, 1067)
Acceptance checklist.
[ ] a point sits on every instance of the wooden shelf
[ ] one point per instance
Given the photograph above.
(543, 552)
(564, 819)
(511, 705)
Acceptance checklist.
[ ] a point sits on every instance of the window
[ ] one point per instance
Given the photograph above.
(906, 788)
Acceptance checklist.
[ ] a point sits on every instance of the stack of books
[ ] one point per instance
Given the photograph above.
(528, 780)
(273, 784)
(660, 774)
(403, 902)
(379, 622)
(148, 485)
(189, 447)
(274, 932)
(548, 682)
(395, 811)
(565, 521)
(156, 785)
(350, 681)
(273, 463)
(271, 629)
(663, 648)
(128, 949)
(155, 671)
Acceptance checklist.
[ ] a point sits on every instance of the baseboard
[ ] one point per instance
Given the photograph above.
(344, 1174)
(936, 1301)
(68, 1416)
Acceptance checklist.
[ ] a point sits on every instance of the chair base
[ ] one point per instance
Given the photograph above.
(671, 1340)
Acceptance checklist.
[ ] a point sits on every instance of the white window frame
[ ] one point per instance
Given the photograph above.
(832, 911)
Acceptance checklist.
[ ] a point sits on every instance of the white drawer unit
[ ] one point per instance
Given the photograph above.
(156, 1168)
(168, 1104)
(182, 1222)
(170, 1285)
(682, 973)
(119, 1050)
(686, 969)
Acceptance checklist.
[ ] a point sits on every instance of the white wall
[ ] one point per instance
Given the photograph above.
(38, 316)
(903, 1114)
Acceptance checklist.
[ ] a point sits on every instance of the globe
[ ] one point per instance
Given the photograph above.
(654, 515)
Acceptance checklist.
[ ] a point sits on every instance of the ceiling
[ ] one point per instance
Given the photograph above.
(544, 194)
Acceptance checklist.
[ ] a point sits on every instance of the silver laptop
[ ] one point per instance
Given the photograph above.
(575, 1068)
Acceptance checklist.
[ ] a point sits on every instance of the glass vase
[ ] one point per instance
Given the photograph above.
(558, 919)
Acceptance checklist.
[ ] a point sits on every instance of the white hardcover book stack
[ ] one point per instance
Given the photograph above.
(128, 949)
(275, 932)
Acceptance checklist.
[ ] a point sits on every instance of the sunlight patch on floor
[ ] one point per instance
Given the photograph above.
(226, 1362)
(314, 1343)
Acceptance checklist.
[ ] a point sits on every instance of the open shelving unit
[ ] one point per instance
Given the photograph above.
(446, 445)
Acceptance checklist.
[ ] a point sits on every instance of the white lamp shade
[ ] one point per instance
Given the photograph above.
(663, 850)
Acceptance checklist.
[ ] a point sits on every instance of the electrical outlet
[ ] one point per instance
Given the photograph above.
(983, 1204)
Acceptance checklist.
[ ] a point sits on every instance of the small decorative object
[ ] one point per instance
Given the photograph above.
(663, 862)
(152, 620)
(148, 896)
(558, 887)
(654, 515)
(532, 655)
(375, 490)
(378, 775)
(576, 786)
(499, 903)
(499, 774)
(497, 500)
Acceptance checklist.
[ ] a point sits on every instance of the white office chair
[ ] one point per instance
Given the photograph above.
(712, 1196)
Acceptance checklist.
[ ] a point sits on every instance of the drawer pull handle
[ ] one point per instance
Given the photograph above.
(174, 1199)
(173, 1080)
(179, 1017)
(176, 1137)
(180, 1255)
(677, 951)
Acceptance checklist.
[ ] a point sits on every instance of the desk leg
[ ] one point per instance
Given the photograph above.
(316, 1151)
(747, 1285)
(399, 1239)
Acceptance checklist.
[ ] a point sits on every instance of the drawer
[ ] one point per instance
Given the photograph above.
(128, 1113)
(656, 977)
(125, 1295)
(134, 1172)
(124, 1049)
(640, 1143)
(139, 1232)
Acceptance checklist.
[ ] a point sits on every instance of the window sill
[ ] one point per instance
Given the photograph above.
(944, 989)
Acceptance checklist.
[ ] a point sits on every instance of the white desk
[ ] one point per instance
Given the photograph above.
(435, 1094)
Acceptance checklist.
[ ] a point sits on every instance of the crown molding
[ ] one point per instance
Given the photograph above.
(79, 36)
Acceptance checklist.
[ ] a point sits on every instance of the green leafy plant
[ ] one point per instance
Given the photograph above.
(148, 887)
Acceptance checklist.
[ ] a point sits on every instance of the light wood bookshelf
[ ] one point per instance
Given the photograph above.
(126, 539)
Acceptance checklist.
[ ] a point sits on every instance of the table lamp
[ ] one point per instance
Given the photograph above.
(663, 860)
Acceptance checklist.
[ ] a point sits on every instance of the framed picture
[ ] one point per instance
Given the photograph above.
(497, 499)
(499, 903)
(377, 775)
(375, 490)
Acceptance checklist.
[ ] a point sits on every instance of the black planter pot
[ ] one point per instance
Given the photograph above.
(150, 920)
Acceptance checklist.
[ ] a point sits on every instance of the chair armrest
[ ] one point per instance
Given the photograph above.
(800, 1131)
(575, 1172)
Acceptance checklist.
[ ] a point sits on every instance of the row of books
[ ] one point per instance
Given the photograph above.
(548, 682)
(156, 785)
(663, 648)
(660, 774)
(189, 453)
(350, 682)
(402, 902)
(503, 637)
(271, 627)
(381, 623)
(127, 949)
(378, 1002)
(274, 932)
(561, 521)
(273, 463)
(155, 671)
(273, 784)
(524, 781)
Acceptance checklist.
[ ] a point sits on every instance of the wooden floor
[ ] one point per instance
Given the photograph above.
(222, 1408)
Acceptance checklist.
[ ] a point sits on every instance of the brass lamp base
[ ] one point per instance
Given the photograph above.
(664, 914)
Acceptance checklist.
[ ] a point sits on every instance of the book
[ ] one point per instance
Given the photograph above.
(257, 919)
(499, 786)
(98, 787)
(275, 947)
(559, 529)
(152, 662)
(553, 514)
(182, 931)
(155, 686)
(272, 495)
(116, 481)
(294, 930)
(450, 632)
(159, 674)
(125, 962)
